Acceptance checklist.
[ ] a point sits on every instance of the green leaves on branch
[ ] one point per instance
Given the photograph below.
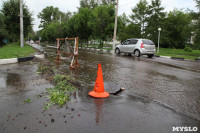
(140, 14)
(60, 93)
(87, 23)
(95, 20)
(11, 11)
(3, 30)
(102, 21)
(176, 30)
(27, 100)
(177, 26)
(48, 15)
(58, 97)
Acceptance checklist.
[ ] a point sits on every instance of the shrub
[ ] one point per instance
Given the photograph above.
(187, 48)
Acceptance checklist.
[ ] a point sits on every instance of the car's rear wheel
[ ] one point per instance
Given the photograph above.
(117, 51)
(137, 53)
(150, 55)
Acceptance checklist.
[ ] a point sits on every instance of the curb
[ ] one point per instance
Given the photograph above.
(156, 55)
(165, 57)
(177, 58)
(20, 59)
(168, 57)
(23, 59)
(96, 49)
(111, 51)
(8, 61)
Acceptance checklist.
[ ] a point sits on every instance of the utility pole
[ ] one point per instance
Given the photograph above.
(115, 28)
(21, 25)
(60, 19)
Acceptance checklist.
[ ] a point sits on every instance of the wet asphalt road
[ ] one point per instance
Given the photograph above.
(160, 94)
(170, 82)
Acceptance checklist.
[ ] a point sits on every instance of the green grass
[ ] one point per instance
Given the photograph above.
(179, 53)
(14, 50)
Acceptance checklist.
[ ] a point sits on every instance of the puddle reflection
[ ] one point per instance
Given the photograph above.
(3, 82)
(10, 79)
(98, 108)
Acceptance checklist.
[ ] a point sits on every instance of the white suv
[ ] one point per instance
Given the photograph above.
(137, 47)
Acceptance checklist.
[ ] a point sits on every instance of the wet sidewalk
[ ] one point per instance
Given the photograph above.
(37, 46)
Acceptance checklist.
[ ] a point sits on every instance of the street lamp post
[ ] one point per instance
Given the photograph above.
(159, 29)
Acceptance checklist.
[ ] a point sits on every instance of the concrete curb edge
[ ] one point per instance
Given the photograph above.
(20, 59)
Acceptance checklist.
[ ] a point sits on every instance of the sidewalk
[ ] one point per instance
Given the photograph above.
(36, 46)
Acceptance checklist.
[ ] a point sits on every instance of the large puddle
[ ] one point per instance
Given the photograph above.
(168, 85)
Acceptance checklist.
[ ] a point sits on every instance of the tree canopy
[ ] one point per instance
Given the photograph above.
(140, 14)
(10, 11)
(48, 15)
(95, 20)
(3, 31)
(176, 29)
(155, 19)
(197, 26)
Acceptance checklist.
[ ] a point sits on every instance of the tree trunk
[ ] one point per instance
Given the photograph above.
(87, 43)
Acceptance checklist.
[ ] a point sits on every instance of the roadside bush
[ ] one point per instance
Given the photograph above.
(187, 48)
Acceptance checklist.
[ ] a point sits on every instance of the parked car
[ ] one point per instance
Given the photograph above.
(137, 47)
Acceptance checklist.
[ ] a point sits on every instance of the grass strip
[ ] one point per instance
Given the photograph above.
(14, 50)
(179, 53)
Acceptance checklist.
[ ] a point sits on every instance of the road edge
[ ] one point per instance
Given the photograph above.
(20, 59)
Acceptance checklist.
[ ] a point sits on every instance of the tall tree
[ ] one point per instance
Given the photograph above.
(11, 13)
(140, 14)
(88, 3)
(177, 29)
(70, 27)
(3, 31)
(102, 21)
(197, 26)
(94, 3)
(125, 19)
(130, 31)
(48, 15)
(51, 32)
(82, 26)
(155, 19)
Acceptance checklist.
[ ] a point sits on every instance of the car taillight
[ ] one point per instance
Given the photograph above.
(142, 45)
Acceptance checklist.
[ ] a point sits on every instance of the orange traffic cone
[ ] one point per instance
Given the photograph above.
(99, 86)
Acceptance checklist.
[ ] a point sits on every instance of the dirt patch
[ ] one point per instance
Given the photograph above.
(64, 85)
(48, 71)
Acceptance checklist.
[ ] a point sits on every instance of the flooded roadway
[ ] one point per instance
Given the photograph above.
(160, 94)
(173, 83)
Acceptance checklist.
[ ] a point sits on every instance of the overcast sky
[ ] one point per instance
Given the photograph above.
(36, 6)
